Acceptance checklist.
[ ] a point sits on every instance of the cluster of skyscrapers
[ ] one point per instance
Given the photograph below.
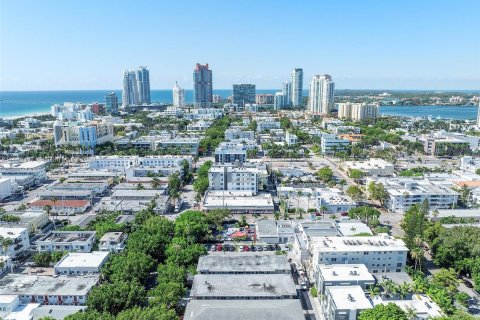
(292, 91)
(136, 87)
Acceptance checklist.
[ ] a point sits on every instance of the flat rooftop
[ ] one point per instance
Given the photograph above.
(288, 309)
(93, 259)
(349, 297)
(350, 228)
(22, 284)
(11, 233)
(421, 304)
(22, 165)
(382, 242)
(243, 263)
(457, 213)
(345, 272)
(68, 236)
(262, 286)
(238, 201)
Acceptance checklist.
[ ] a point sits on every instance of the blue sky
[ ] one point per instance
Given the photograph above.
(394, 44)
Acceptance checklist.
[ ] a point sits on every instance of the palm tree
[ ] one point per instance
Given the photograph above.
(411, 314)
(373, 291)
(323, 209)
(155, 183)
(417, 256)
(48, 209)
(140, 187)
(299, 194)
(5, 243)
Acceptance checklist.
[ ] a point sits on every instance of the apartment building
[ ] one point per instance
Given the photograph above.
(331, 144)
(381, 253)
(112, 242)
(239, 134)
(71, 241)
(231, 153)
(15, 168)
(373, 167)
(328, 275)
(20, 241)
(86, 134)
(81, 263)
(233, 178)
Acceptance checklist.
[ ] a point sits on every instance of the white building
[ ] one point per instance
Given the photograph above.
(266, 124)
(373, 167)
(344, 302)
(231, 178)
(71, 241)
(381, 253)
(357, 111)
(48, 290)
(331, 144)
(130, 88)
(403, 193)
(81, 263)
(290, 138)
(470, 164)
(328, 275)
(122, 163)
(231, 153)
(200, 125)
(334, 201)
(239, 202)
(321, 97)
(178, 96)
(35, 169)
(19, 238)
(239, 134)
(7, 188)
(87, 134)
(112, 242)
(297, 87)
(423, 307)
(33, 220)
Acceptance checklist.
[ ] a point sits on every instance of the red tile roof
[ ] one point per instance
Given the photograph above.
(60, 203)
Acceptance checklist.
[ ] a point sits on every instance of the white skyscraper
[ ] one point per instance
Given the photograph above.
(297, 87)
(287, 93)
(321, 96)
(130, 90)
(178, 96)
(478, 115)
(143, 84)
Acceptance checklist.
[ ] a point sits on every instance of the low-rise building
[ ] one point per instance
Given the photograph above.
(334, 201)
(33, 220)
(468, 214)
(239, 201)
(233, 178)
(275, 231)
(403, 193)
(20, 241)
(35, 169)
(381, 253)
(7, 187)
(83, 134)
(243, 264)
(112, 242)
(344, 302)
(239, 134)
(330, 144)
(243, 286)
(373, 167)
(81, 263)
(48, 290)
(71, 241)
(290, 138)
(231, 153)
(327, 275)
(63, 207)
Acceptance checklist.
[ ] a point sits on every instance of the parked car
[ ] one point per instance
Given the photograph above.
(213, 248)
(246, 248)
(242, 248)
(219, 247)
(259, 248)
(253, 248)
(468, 283)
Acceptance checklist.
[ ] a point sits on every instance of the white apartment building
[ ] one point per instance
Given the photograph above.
(403, 193)
(112, 242)
(344, 302)
(266, 124)
(290, 138)
(381, 253)
(335, 202)
(33, 220)
(469, 164)
(231, 153)
(233, 178)
(357, 111)
(48, 290)
(20, 241)
(81, 263)
(200, 125)
(35, 169)
(328, 275)
(239, 134)
(331, 144)
(71, 241)
(7, 187)
(373, 167)
(87, 134)
(122, 163)
(322, 94)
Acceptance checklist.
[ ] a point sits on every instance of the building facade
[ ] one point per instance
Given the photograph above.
(111, 103)
(202, 86)
(178, 96)
(143, 85)
(322, 95)
(297, 87)
(130, 89)
(243, 94)
(357, 111)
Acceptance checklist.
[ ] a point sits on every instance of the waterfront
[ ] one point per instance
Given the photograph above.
(35, 102)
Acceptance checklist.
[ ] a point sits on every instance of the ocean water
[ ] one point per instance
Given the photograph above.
(15, 103)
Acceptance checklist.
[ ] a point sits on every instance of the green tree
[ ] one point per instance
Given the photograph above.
(129, 266)
(413, 224)
(159, 312)
(383, 312)
(152, 237)
(217, 216)
(139, 187)
(181, 252)
(155, 183)
(116, 297)
(354, 192)
(42, 259)
(325, 174)
(377, 192)
(89, 315)
(447, 279)
(355, 174)
(191, 225)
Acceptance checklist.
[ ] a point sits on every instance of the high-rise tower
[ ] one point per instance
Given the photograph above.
(130, 90)
(202, 86)
(178, 96)
(321, 95)
(143, 84)
(297, 87)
